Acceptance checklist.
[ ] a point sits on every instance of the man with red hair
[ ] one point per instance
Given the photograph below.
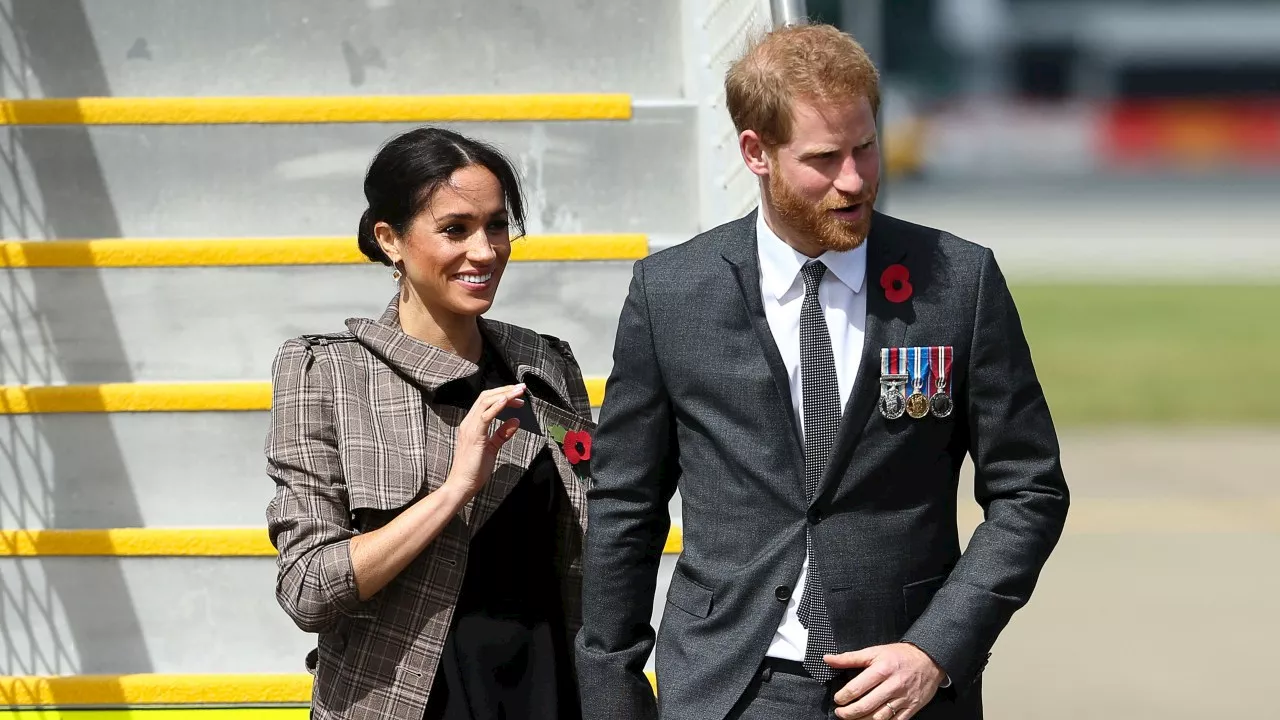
(811, 378)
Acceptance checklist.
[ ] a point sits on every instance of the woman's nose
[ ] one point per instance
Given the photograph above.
(480, 250)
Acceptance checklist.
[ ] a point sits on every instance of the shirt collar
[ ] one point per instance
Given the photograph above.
(780, 264)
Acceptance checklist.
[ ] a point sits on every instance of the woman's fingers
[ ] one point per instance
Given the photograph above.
(495, 403)
(505, 432)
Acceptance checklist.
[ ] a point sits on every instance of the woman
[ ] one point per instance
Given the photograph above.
(428, 521)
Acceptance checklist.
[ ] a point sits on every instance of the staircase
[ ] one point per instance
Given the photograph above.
(179, 189)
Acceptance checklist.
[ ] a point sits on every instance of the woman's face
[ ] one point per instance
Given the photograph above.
(454, 251)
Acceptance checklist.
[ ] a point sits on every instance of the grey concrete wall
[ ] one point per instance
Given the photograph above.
(175, 615)
(37, 56)
(194, 324)
(193, 615)
(355, 47)
(156, 470)
(280, 180)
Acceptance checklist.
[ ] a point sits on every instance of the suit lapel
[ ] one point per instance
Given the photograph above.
(741, 255)
(886, 327)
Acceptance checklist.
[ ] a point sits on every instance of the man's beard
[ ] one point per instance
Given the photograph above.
(815, 223)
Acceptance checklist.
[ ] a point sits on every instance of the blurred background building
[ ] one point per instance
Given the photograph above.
(180, 181)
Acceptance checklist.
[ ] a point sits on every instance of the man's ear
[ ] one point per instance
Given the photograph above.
(754, 153)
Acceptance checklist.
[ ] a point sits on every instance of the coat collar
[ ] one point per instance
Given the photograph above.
(525, 352)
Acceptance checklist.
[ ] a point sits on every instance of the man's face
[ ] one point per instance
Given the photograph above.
(822, 184)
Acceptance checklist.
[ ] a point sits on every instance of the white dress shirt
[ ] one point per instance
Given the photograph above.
(842, 295)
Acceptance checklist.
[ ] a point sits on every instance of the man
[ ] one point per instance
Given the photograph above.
(811, 377)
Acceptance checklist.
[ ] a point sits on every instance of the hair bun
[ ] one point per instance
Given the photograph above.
(368, 242)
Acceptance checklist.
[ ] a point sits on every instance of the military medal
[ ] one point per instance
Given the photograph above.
(893, 383)
(940, 369)
(918, 366)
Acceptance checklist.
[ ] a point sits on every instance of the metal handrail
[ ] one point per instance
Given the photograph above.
(788, 12)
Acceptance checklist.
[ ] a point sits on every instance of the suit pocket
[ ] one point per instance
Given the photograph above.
(688, 595)
(916, 596)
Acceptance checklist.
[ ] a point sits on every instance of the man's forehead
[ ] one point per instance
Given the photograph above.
(830, 112)
(828, 123)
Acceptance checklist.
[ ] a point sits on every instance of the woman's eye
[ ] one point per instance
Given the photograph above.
(454, 230)
(499, 225)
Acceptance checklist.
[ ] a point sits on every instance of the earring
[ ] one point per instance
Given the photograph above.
(396, 275)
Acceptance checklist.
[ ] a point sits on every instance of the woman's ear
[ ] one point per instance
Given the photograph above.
(388, 241)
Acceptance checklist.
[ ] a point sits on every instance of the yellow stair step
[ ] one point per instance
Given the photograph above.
(166, 542)
(213, 396)
(158, 689)
(222, 252)
(293, 110)
(167, 713)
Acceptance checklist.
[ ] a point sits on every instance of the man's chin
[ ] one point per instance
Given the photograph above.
(841, 240)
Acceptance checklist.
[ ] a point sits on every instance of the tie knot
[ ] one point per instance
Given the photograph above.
(812, 273)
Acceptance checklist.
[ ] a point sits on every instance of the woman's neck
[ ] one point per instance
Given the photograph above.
(458, 334)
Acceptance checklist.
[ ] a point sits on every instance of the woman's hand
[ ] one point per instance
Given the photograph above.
(476, 448)
(378, 556)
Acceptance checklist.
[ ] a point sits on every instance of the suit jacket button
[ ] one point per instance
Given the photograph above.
(815, 516)
(782, 592)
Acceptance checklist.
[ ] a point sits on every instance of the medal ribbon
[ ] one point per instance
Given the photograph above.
(940, 366)
(893, 361)
(918, 358)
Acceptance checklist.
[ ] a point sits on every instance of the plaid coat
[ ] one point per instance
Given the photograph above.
(355, 437)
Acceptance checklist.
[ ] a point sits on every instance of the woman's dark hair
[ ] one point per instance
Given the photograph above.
(410, 168)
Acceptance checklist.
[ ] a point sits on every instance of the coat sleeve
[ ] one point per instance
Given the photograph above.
(308, 519)
(635, 473)
(1018, 481)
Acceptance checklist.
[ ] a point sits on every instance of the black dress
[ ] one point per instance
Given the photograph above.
(507, 656)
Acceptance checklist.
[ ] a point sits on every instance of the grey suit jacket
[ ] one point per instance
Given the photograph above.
(699, 399)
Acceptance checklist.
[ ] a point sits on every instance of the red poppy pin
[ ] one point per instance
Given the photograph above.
(896, 281)
(576, 444)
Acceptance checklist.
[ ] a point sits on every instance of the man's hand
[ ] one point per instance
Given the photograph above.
(896, 682)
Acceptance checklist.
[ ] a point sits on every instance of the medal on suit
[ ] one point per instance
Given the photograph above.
(918, 367)
(893, 383)
(940, 370)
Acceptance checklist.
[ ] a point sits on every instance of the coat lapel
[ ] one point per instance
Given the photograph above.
(427, 368)
(741, 255)
(528, 355)
(886, 327)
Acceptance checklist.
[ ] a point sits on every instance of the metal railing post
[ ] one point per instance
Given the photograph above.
(788, 12)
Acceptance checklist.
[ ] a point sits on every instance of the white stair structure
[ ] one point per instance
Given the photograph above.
(132, 383)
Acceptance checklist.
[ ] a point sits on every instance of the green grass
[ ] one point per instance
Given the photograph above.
(1156, 354)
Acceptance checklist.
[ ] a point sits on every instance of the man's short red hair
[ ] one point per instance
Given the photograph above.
(811, 62)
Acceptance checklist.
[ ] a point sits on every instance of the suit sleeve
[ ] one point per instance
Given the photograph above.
(1018, 481)
(308, 519)
(635, 475)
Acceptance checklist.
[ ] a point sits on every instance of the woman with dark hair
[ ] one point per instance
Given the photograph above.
(428, 518)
